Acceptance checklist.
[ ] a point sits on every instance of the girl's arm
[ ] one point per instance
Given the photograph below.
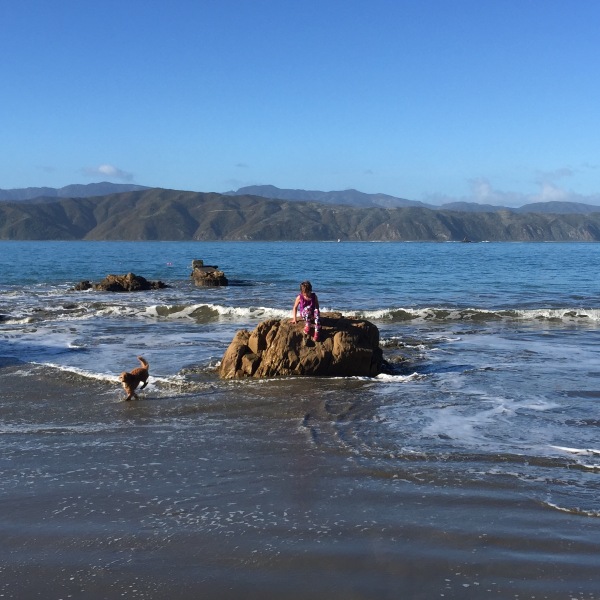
(295, 309)
(317, 302)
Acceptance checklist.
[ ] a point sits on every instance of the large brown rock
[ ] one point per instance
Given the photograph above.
(348, 347)
(121, 283)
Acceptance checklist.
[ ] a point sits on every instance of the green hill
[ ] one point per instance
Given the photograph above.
(159, 214)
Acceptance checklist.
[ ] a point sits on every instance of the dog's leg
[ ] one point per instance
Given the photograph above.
(128, 391)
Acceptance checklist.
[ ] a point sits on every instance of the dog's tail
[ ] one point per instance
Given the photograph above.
(143, 361)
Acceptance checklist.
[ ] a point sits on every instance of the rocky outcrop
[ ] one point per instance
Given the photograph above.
(121, 283)
(348, 347)
(205, 275)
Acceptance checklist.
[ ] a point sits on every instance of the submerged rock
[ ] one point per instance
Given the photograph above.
(121, 283)
(348, 347)
(205, 275)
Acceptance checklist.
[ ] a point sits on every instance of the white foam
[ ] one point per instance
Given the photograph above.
(444, 313)
(120, 311)
(23, 373)
(18, 321)
(155, 384)
(175, 311)
(474, 418)
(572, 511)
(172, 311)
(456, 423)
(561, 314)
(386, 378)
(578, 451)
(254, 312)
(37, 428)
(82, 372)
(375, 315)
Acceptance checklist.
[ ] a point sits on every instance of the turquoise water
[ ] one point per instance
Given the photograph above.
(471, 470)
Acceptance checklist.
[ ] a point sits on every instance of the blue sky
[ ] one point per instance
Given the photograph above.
(492, 101)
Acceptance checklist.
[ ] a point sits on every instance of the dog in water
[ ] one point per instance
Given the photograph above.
(132, 379)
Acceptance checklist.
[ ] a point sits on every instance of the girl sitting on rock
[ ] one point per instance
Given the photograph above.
(308, 303)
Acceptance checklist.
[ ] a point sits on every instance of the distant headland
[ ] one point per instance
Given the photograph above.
(106, 211)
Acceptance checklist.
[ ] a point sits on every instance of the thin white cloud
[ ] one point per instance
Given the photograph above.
(109, 172)
(483, 192)
(482, 189)
(550, 192)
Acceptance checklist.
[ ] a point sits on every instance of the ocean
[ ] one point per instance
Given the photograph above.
(470, 471)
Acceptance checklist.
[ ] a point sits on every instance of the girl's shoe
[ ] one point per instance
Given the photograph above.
(316, 336)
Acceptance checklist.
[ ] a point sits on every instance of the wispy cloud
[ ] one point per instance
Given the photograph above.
(108, 171)
(483, 192)
(549, 190)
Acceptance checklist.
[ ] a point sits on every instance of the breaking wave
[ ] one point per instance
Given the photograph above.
(398, 315)
(203, 313)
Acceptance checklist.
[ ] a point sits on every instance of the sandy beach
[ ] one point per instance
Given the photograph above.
(224, 494)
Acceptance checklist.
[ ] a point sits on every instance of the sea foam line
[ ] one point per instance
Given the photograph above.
(176, 381)
(399, 314)
(54, 428)
(579, 315)
(196, 311)
(572, 511)
(578, 451)
(386, 378)
(82, 372)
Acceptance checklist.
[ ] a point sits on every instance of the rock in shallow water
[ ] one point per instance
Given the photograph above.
(121, 283)
(348, 347)
(205, 275)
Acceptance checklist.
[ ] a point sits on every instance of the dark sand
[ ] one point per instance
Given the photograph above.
(239, 490)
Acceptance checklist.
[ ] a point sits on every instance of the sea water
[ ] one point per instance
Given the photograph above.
(469, 470)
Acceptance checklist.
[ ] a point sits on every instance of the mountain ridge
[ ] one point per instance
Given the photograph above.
(161, 214)
(74, 190)
(349, 197)
(355, 198)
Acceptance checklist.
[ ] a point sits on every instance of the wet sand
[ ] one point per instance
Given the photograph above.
(230, 491)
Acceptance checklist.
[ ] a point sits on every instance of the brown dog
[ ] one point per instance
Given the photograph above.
(132, 379)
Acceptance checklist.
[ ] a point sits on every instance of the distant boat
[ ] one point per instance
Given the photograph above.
(466, 241)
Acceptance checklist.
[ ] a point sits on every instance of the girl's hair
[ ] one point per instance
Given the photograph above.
(306, 286)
